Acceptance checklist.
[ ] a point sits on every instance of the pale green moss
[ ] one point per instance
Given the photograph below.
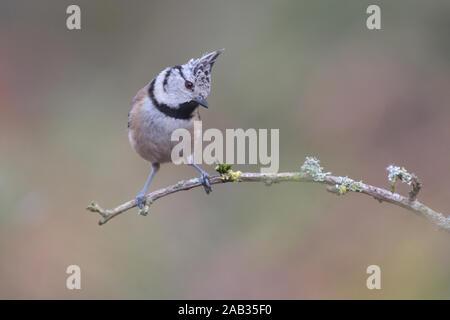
(231, 175)
(345, 184)
(227, 174)
(223, 168)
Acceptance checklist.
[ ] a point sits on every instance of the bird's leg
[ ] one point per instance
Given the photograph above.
(204, 178)
(141, 195)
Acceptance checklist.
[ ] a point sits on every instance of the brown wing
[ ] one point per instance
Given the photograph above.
(138, 100)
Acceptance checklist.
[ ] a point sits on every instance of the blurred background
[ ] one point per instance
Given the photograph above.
(357, 99)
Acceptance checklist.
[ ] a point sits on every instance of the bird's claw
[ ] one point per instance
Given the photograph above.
(140, 200)
(204, 179)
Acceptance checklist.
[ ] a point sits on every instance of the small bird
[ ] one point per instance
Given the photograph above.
(169, 102)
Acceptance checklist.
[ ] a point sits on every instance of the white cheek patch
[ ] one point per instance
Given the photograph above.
(170, 84)
(166, 89)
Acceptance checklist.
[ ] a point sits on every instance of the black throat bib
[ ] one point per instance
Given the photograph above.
(184, 111)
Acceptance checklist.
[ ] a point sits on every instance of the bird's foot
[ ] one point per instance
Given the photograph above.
(204, 179)
(140, 200)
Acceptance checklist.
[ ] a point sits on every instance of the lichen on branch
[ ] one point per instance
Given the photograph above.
(311, 171)
(312, 167)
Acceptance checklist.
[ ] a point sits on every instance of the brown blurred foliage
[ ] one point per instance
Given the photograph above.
(358, 99)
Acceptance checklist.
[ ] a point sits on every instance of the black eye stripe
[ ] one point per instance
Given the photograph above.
(166, 78)
(180, 70)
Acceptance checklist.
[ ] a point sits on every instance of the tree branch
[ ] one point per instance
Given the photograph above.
(311, 172)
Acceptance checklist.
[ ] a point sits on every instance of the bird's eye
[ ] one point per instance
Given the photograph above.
(189, 85)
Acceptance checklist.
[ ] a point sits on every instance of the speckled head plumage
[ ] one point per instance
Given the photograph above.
(178, 90)
(201, 71)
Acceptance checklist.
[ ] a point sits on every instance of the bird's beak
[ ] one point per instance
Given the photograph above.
(202, 101)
